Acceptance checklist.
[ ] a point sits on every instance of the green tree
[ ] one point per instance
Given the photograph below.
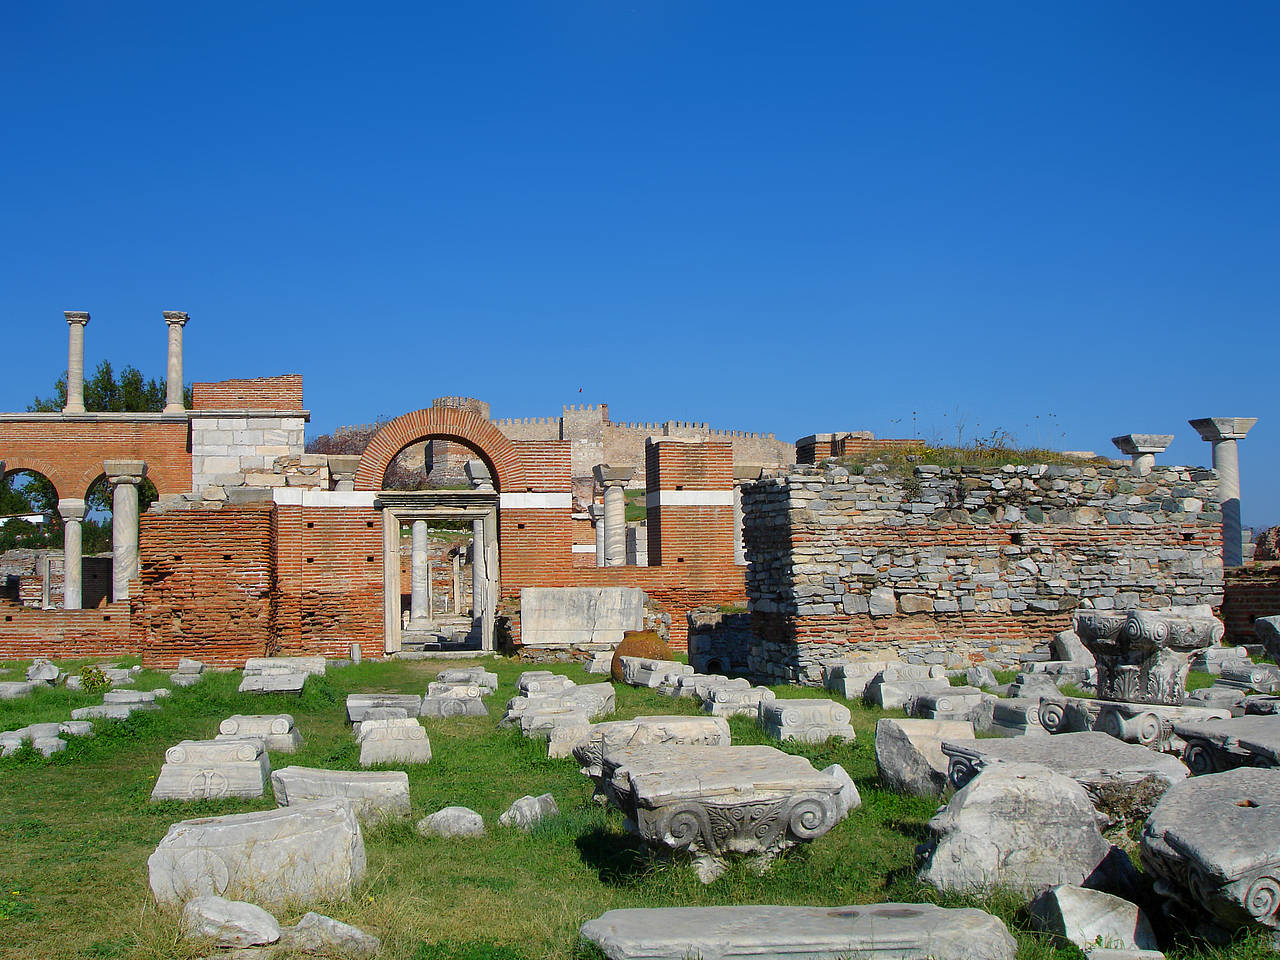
(104, 392)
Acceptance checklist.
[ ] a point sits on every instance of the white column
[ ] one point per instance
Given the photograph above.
(72, 513)
(457, 583)
(76, 322)
(477, 576)
(418, 583)
(124, 476)
(1142, 449)
(597, 514)
(173, 398)
(615, 526)
(1223, 433)
(431, 585)
(491, 583)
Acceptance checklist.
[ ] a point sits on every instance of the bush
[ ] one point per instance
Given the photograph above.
(638, 643)
(93, 680)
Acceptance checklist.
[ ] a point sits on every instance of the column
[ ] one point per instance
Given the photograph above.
(431, 586)
(124, 476)
(1142, 449)
(597, 514)
(72, 512)
(418, 583)
(173, 399)
(614, 481)
(491, 584)
(457, 582)
(477, 576)
(76, 322)
(1223, 433)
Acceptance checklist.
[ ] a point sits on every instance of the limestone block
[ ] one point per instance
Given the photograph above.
(1213, 659)
(393, 741)
(273, 682)
(187, 665)
(273, 857)
(1068, 646)
(602, 737)
(452, 822)
(359, 704)
(882, 931)
(1142, 655)
(1018, 826)
(228, 923)
(316, 933)
(43, 671)
(849, 678)
(453, 700)
(848, 799)
(573, 616)
(808, 721)
(909, 753)
(13, 689)
(737, 702)
(1213, 846)
(483, 678)
(184, 679)
(206, 769)
(285, 665)
(1090, 918)
(375, 795)
(528, 811)
(1218, 745)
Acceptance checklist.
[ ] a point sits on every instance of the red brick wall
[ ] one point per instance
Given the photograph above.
(63, 634)
(1251, 591)
(258, 393)
(341, 581)
(70, 452)
(815, 452)
(206, 586)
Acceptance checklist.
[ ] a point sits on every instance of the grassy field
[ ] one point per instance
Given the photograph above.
(77, 830)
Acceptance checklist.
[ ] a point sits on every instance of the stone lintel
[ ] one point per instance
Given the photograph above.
(1214, 429)
(1135, 444)
(76, 316)
(344, 463)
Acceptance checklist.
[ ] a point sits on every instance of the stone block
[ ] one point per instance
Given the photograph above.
(110, 711)
(483, 678)
(528, 811)
(573, 616)
(452, 822)
(187, 665)
(273, 682)
(393, 741)
(208, 769)
(12, 690)
(359, 704)
(272, 857)
(453, 700)
(1215, 746)
(807, 721)
(909, 753)
(1091, 918)
(603, 737)
(318, 934)
(737, 702)
(643, 672)
(185, 679)
(882, 931)
(285, 665)
(375, 795)
(228, 923)
(850, 678)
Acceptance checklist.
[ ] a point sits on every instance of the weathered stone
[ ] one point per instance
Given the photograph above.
(643, 672)
(1142, 655)
(276, 730)
(454, 700)
(574, 616)
(883, 931)
(737, 702)
(953, 703)
(808, 721)
(1067, 646)
(1148, 724)
(76, 728)
(285, 665)
(452, 822)
(1268, 631)
(393, 741)
(528, 811)
(478, 675)
(849, 678)
(1034, 686)
(1213, 659)
(375, 795)
(13, 689)
(909, 753)
(43, 671)
(188, 666)
(207, 769)
(110, 711)
(48, 746)
(716, 802)
(898, 685)
(1016, 717)
(273, 682)
(882, 602)
(979, 676)
(848, 798)
(601, 662)
(1219, 745)
(603, 737)
(228, 923)
(378, 713)
(130, 696)
(1091, 918)
(1213, 845)
(359, 704)
(535, 683)
(304, 853)
(185, 679)
(1018, 826)
(316, 933)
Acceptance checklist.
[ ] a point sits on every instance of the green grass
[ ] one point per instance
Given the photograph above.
(636, 508)
(902, 460)
(78, 828)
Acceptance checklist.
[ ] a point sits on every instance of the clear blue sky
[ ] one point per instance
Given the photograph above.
(780, 217)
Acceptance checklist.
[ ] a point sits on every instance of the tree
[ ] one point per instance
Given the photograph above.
(104, 393)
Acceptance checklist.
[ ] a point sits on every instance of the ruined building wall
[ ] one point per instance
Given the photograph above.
(957, 566)
(1251, 591)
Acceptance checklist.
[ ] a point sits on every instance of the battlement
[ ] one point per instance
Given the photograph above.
(511, 422)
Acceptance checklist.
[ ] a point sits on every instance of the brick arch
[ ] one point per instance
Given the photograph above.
(61, 483)
(449, 423)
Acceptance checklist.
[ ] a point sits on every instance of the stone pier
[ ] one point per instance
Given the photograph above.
(124, 476)
(1223, 433)
(173, 396)
(72, 513)
(77, 320)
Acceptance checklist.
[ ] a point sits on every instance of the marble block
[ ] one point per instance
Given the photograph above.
(276, 730)
(477, 675)
(1217, 745)
(808, 721)
(273, 682)
(642, 731)
(359, 704)
(375, 794)
(208, 769)
(736, 701)
(393, 741)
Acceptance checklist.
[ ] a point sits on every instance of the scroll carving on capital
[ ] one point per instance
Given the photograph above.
(1143, 656)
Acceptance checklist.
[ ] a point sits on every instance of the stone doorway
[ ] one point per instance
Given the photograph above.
(405, 507)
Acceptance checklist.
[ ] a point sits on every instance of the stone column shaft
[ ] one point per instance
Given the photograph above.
(124, 476)
(1223, 433)
(615, 526)
(72, 513)
(597, 514)
(490, 525)
(418, 583)
(477, 574)
(457, 584)
(76, 322)
(173, 395)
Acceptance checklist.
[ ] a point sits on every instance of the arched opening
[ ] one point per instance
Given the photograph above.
(98, 535)
(31, 563)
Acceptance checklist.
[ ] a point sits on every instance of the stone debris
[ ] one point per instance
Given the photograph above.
(1268, 631)
(190, 667)
(640, 731)
(848, 798)
(110, 711)
(314, 666)
(882, 931)
(849, 678)
(643, 672)
(1250, 741)
(44, 671)
(276, 730)
(909, 753)
(316, 933)
(699, 685)
(542, 683)
(1018, 826)
(601, 662)
(897, 686)
(1213, 846)
(359, 704)
(1214, 659)
(273, 682)
(737, 701)
(448, 699)
(979, 676)
(133, 696)
(375, 795)
(954, 703)
(528, 811)
(1091, 918)
(1016, 717)
(1260, 677)
(562, 717)
(452, 822)
(14, 689)
(1034, 686)
(478, 675)
(209, 769)
(228, 923)
(399, 740)
(712, 803)
(272, 857)
(185, 679)
(807, 721)
(1148, 724)
(48, 746)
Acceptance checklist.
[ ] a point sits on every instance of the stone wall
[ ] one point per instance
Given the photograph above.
(958, 566)
(229, 450)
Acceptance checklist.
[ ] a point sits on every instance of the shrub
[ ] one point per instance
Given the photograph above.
(638, 643)
(93, 680)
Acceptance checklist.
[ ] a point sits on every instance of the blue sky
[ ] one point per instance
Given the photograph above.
(779, 217)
